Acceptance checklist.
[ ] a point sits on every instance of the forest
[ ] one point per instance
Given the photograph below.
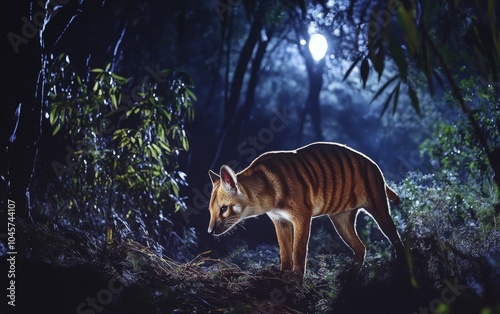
(115, 111)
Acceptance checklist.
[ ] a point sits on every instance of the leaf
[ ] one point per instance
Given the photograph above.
(353, 65)
(129, 112)
(119, 79)
(388, 100)
(153, 151)
(409, 27)
(166, 148)
(175, 187)
(97, 70)
(399, 57)
(56, 129)
(185, 143)
(114, 102)
(378, 62)
(364, 71)
(414, 99)
(52, 115)
(191, 95)
(156, 148)
(396, 98)
(381, 90)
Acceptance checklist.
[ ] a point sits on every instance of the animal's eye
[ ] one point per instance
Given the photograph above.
(223, 209)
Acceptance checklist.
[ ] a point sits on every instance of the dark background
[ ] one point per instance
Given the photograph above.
(259, 90)
(186, 36)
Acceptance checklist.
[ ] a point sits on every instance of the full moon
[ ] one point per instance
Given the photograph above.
(318, 46)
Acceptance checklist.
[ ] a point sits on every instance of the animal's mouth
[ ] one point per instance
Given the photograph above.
(224, 226)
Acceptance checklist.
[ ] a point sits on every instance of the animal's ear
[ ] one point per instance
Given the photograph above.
(213, 176)
(228, 178)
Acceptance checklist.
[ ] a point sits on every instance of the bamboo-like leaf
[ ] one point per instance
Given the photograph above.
(399, 57)
(156, 148)
(364, 71)
(114, 102)
(353, 65)
(129, 112)
(414, 99)
(154, 153)
(191, 95)
(396, 98)
(119, 78)
(56, 129)
(185, 143)
(117, 133)
(166, 148)
(409, 27)
(381, 90)
(175, 187)
(388, 101)
(52, 115)
(377, 58)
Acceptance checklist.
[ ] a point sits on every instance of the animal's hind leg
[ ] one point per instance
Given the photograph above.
(345, 224)
(380, 214)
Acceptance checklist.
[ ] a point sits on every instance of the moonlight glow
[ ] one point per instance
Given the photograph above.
(318, 46)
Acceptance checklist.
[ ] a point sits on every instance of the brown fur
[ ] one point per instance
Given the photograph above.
(292, 187)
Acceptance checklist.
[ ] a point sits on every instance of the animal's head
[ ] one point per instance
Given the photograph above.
(227, 203)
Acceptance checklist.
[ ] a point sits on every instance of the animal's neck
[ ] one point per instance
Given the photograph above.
(258, 189)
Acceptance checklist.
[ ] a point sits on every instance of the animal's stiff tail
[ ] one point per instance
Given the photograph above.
(393, 197)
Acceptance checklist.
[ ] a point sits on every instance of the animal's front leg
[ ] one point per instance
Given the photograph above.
(284, 233)
(301, 234)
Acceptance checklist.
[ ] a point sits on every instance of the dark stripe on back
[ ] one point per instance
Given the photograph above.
(311, 174)
(348, 179)
(339, 180)
(319, 170)
(293, 166)
(276, 167)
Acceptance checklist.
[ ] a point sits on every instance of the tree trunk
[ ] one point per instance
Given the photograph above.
(313, 104)
(236, 87)
(252, 84)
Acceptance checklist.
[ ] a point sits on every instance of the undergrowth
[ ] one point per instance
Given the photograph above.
(453, 265)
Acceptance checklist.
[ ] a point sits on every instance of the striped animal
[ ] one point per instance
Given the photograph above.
(292, 187)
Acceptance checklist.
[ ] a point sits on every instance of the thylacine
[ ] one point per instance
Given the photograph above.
(291, 187)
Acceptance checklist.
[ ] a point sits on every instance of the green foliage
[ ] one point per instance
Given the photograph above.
(126, 137)
(452, 147)
(435, 45)
(450, 230)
